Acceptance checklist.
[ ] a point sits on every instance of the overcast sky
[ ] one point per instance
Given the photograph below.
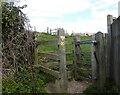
(72, 15)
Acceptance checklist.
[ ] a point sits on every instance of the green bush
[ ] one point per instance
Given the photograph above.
(25, 82)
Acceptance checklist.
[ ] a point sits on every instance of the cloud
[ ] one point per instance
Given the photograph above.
(40, 13)
(56, 7)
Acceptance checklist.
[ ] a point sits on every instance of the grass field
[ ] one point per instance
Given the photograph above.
(69, 45)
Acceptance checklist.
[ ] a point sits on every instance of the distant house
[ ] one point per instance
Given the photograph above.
(54, 33)
(82, 34)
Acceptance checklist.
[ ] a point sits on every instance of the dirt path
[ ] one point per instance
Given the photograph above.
(73, 87)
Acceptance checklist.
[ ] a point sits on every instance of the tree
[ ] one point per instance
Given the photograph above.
(13, 19)
(18, 42)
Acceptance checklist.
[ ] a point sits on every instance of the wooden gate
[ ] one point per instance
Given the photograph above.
(60, 56)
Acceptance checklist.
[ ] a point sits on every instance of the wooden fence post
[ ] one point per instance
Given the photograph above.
(76, 55)
(106, 56)
(100, 58)
(93, 62)
(109, 46)
(62, 55)
(78, 52)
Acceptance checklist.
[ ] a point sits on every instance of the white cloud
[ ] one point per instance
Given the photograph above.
(54, 8)
(59, 7)
(39, 9)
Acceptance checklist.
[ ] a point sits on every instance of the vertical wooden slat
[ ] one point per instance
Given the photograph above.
(93, 62)
(76, 52)
(100, 57)
(115, 50)
(106, 55)
(62, 54)
(109, 52)
(118, 40)
(75, 59)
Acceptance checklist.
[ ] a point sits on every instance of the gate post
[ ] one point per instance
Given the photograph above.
(109, 46)
(62, 56)
(100, 59)
(76, 55)
(93, 62)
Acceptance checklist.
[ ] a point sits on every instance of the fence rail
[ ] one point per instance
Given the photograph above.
(49, 55)
(54, 42)
(48, 70)
(87, 42)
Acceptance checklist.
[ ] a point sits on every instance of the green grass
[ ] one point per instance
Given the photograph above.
(93, 89)
(46, 37)
(68, 46)
(24, 82)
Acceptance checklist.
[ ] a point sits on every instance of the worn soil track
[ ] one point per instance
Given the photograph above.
(73, 86)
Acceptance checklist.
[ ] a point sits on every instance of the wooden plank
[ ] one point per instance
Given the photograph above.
(107, 64)
(68, 53)
(75, 59)
(118, 40)
(49, 55)
(114, 49)
(53, 64)
(49, 71)
(100, 58)
(106, 55)
(109, 46)
(62, 55)
(50, 64)
(93, 62)
(51, 42)
(77, 54)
